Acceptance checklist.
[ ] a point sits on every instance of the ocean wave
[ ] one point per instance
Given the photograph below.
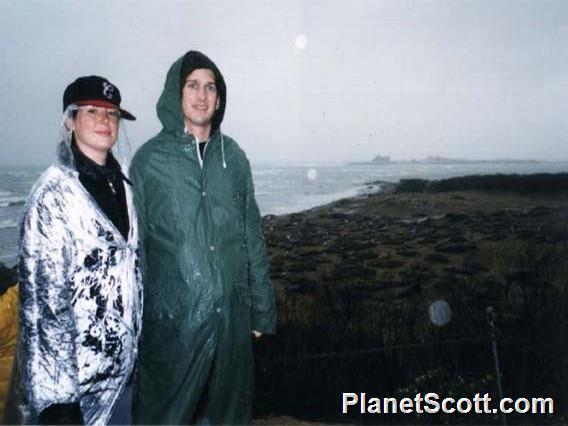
(12, 201)
(297, 203)
(267, 172)
(23, 174)
(8, 223)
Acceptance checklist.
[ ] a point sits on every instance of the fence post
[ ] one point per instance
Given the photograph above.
(491, 318)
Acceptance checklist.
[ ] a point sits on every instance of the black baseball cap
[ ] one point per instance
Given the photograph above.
(96, 91)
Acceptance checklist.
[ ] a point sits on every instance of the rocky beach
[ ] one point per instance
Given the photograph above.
(356, 280)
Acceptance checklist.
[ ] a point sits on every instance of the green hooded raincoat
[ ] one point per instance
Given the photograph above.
(206, 282)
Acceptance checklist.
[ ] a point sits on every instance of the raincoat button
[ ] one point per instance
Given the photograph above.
(212, 248)
(170, 316)
(204, 193)
(218, 310)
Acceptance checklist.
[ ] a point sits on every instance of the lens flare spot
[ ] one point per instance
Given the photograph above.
(440, 313)
(301, 41)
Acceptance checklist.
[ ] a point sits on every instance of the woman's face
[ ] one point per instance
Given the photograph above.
(96, 131)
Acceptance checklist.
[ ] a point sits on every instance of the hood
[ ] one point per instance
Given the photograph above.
(169, 105)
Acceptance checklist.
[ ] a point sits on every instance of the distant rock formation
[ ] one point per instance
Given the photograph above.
(381, 159)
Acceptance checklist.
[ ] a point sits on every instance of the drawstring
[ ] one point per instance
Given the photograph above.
(223, 149)
(199, 154)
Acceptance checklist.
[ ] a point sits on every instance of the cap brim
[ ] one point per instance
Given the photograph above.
(104, 104)
(126, 115)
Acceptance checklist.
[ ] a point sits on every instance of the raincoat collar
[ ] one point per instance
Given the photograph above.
(85, 165)
(67, 161)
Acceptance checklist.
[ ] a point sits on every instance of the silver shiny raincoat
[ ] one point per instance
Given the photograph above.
(80, 301)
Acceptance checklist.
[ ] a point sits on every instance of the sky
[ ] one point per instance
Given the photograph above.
(308, 81)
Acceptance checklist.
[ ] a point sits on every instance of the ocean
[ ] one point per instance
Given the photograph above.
(280, 189)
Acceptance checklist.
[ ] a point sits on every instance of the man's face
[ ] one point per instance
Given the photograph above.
(199, 99)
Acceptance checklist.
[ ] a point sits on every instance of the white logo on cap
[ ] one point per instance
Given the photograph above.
(108, 89)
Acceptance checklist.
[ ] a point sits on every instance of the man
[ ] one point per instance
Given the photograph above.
(207, 286)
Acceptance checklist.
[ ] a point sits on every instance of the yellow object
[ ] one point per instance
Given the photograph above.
(8, 339)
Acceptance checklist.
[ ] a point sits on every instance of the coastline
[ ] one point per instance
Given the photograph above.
(355, 280)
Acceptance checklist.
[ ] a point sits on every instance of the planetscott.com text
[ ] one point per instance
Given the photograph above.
(432, 403)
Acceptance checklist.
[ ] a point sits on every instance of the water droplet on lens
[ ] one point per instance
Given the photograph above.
(301, 41)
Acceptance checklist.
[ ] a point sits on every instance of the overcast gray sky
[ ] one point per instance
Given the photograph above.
(308, 81)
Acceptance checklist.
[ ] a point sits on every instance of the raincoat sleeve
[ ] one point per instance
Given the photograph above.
(135, 174)
(263, 303)
(46, 353)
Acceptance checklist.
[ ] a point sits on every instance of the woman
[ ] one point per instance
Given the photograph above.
(81, 294)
